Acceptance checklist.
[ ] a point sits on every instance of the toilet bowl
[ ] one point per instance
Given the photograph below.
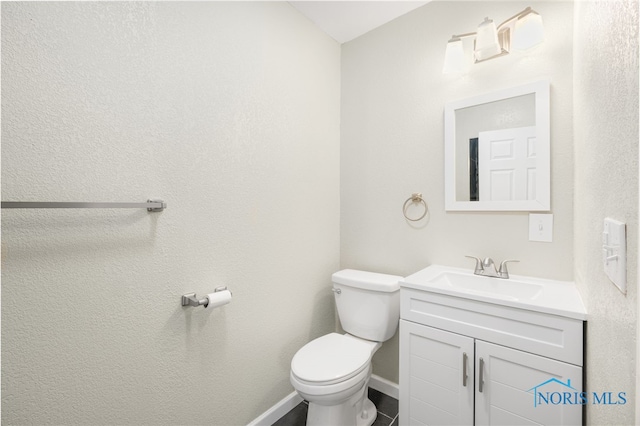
(332, 372)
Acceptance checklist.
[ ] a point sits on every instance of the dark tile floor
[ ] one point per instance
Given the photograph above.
(386, 405)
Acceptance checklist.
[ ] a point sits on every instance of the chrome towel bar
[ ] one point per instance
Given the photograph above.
(150, 205)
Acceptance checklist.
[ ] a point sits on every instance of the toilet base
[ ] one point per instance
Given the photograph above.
(368, 414)
(356, 411)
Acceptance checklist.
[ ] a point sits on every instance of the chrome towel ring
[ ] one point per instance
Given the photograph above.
(416, 197)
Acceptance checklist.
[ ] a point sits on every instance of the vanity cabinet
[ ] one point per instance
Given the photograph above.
(466, 362)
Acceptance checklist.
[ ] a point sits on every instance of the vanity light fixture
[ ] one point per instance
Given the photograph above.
(521, 31)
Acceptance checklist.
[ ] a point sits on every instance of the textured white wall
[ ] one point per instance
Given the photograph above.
(230, 113)
(606, 182)
(393, 96)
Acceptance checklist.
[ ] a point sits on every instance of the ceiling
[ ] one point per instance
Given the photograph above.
(348, 19)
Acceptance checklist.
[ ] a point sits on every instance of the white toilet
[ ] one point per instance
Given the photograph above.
(332, 372)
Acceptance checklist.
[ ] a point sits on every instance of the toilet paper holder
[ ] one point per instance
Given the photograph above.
(190, 299)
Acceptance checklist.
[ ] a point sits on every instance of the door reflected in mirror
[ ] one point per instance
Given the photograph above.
(497, 150)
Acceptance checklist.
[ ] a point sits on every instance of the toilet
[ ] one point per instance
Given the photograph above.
(332, 372)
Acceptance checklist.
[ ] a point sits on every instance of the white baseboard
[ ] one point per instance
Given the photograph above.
(281, 408)
(290, 401)
(385, 386)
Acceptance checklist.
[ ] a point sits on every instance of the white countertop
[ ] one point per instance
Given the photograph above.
(534, 294)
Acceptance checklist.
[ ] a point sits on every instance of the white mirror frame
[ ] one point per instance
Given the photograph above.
(543, 137)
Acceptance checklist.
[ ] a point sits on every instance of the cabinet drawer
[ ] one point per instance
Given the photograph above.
(543, 334)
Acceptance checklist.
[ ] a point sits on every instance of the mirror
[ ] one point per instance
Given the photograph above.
(497, 151)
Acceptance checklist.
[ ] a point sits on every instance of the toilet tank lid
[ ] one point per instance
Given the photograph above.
(367, 280)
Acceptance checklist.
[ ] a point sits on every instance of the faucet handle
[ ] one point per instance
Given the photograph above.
(503, 267)
(478, 262)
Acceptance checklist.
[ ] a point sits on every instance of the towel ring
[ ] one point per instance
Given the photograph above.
(416, 197)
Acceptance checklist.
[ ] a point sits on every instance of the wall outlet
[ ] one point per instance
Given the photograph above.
(541, 227)
(614, 252)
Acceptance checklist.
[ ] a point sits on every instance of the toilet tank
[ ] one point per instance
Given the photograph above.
(368, 303)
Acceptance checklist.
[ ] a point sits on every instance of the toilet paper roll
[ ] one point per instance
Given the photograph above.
(218, 298)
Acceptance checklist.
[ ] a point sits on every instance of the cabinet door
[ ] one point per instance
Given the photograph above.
(508, 382)
(433, 389)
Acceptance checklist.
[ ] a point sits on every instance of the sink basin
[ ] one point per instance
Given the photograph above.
(488, 286)
(549, 296)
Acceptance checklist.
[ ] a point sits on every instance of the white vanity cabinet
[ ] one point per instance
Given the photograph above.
(469, 362)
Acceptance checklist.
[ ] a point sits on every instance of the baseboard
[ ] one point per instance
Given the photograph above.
(281, 408)
(385, 386)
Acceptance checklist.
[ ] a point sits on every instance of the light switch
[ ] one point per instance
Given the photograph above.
(541, 227)
(614, 252)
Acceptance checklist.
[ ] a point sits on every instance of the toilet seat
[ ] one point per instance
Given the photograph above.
(321, 393)
(331, 359)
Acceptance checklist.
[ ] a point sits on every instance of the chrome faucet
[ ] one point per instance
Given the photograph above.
(487, 267)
